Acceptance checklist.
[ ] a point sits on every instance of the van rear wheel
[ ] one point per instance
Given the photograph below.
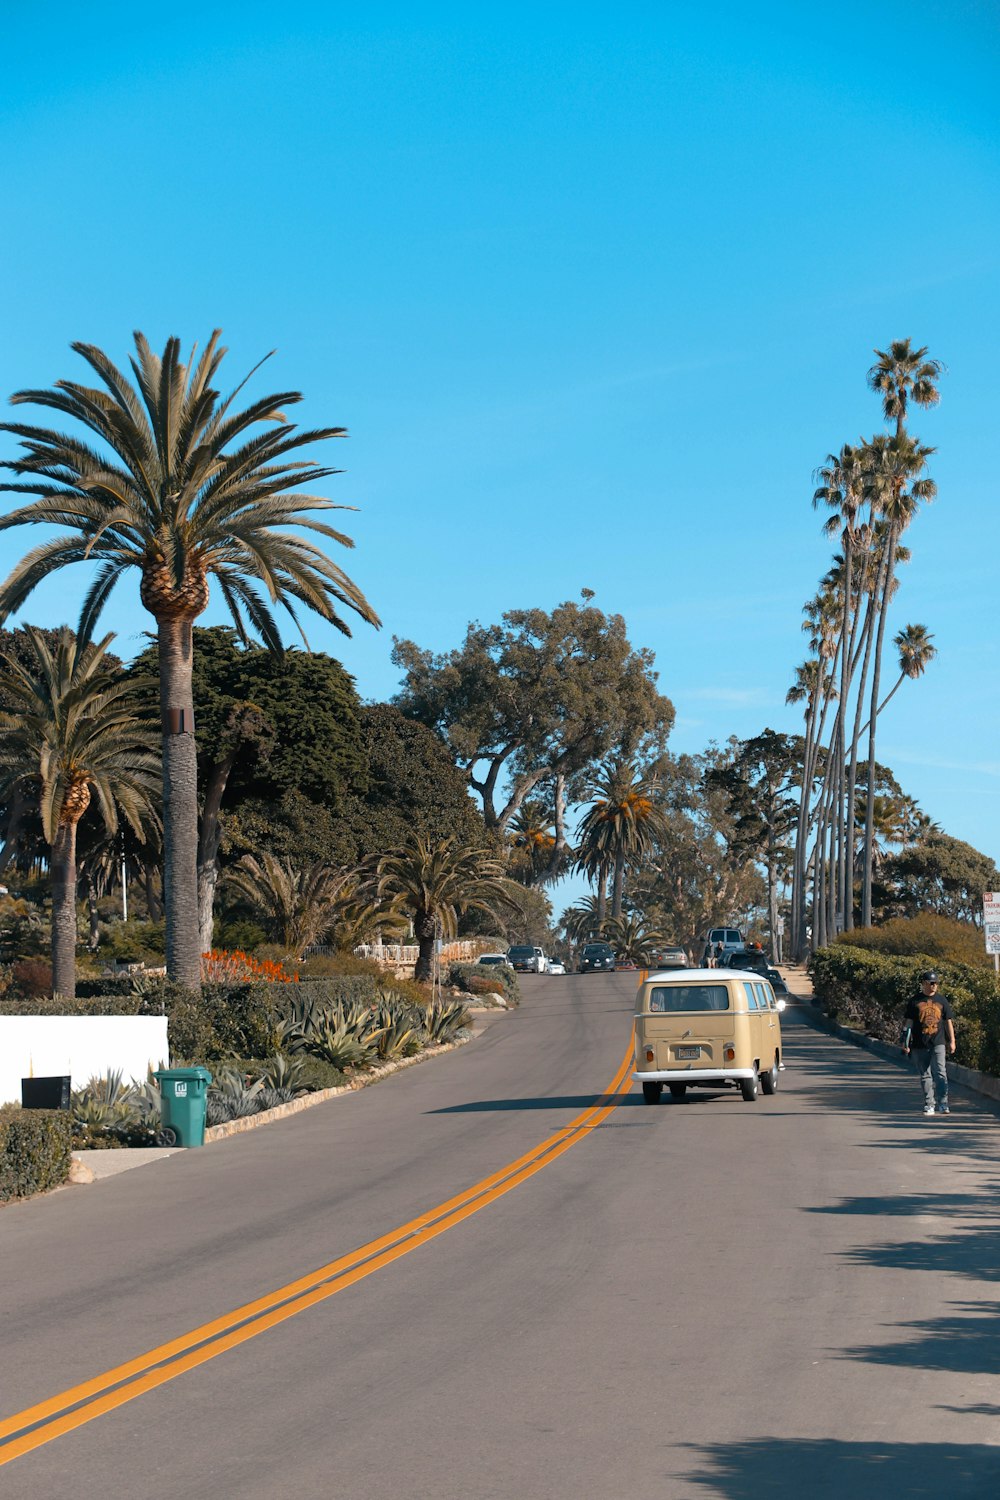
(678, 1090)
(769, 1080)
(651, 1092)
(748, 1087)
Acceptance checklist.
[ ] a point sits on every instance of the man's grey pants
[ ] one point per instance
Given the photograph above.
(933, 1074)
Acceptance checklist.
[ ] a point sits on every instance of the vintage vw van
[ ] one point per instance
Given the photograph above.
(706, 1028)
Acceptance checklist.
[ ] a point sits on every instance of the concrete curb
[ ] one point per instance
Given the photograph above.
(307, 1101)
(979, 1083)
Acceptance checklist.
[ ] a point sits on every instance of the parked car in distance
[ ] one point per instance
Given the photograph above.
(670, 958)
(489, 959)
(527, 958)
(596, 957)
(556, 966)
(777, 984)
(728, 938)
(747, 959)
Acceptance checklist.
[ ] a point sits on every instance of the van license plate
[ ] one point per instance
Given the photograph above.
(687, 1052)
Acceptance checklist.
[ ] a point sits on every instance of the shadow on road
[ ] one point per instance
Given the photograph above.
(823, 1468)
(965, 1343)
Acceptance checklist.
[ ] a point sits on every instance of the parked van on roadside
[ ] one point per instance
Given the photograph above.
(707, 1028)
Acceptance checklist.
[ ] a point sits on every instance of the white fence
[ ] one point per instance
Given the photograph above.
(407, 953)
(85, 1047)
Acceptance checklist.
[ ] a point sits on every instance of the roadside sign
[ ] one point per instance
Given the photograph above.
(991, 921)
(781, 926)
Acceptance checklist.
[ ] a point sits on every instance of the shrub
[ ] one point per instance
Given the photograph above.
(482, 979)
(326, 965)
(97, 1005)
(870, 990)
(34, 1150)
(222, 1020)
(32, 978)
(134, 942)
(927, 935)
(316, 1073)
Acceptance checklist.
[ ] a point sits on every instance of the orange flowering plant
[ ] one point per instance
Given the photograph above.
(239, 967)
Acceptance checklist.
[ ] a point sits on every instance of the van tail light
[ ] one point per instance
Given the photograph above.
(650, 1055)
(728, 1053)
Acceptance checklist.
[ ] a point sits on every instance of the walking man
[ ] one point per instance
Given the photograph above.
(930, 1027)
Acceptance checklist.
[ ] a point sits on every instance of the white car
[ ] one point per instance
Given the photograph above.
(489, 960)
(555, 967)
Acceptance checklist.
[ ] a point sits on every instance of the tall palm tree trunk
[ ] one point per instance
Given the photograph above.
(425, 929)
(180, 801)
(617, 887)
(602, 896)
(64, 911)
(866, 886)
(799, 860)
(867, 638)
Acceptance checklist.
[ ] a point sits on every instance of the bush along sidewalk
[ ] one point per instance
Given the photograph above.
(868, 991)
(265, 1045)
(35, 1149)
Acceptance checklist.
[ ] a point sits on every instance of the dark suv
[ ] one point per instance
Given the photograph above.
(596, 957)
(748, 958)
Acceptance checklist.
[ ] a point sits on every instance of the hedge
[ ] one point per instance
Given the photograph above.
(870, 991)
(34, 1150)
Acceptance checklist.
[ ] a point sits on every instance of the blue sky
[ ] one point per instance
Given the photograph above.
(593, 290)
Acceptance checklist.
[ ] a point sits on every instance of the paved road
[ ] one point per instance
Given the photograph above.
(791, 1298)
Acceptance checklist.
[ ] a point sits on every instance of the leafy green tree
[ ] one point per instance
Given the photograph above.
(760, 782)
(635, 940)
(941, 874)
(269, 726)
(433, 882)
(74, 735)
(409, 784)
(183, 487)
(536, 697)
(696, 878)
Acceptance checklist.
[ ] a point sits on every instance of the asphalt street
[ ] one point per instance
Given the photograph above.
(797, 1297)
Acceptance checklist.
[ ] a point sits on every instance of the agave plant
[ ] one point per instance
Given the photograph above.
(338, 1043)
(445, 1020)
(400, 1026)
(284, 1074)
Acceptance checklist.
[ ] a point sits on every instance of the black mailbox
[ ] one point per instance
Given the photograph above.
(45, 1093)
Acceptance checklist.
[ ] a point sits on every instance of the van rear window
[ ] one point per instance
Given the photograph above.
(679, 997)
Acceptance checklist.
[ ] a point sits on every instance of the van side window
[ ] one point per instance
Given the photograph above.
(764, 996)
(751, 997)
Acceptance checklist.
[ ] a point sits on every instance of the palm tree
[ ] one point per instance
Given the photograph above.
(622, 823)
(532, 841)
(635, 940)
(897, 488)
(901, 375)
(583, 920)
(76, 737)
(182, 487)
(297, 905)
(435, 882)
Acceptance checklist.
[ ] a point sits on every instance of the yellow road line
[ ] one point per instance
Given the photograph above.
(31, 1428)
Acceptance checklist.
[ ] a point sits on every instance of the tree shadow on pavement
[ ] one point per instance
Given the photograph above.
(826, 1469)
(965, 1343)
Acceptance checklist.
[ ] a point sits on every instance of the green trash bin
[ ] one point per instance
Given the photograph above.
(184, 1094)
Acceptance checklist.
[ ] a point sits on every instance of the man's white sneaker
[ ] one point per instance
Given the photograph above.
(928, 1109)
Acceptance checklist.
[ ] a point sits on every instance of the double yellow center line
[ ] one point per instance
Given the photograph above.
(30, 1429)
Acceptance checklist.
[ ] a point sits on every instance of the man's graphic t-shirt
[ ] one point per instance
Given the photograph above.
(927, 1015)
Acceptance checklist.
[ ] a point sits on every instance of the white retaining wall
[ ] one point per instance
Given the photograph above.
(82, 1046)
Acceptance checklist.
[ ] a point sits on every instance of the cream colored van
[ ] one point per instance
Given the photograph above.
(707, 1028)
